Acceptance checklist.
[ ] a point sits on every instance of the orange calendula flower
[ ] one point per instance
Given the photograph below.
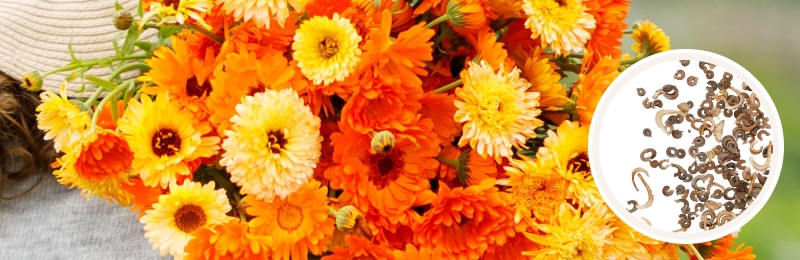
(562, 25)
(464, 221)
(591, 86)
(379, 104)
(440, 108)
(574, 234)
(497, 110)
(544, 78)
(359, 248)
(649, 39)
(106, 118)
(104, 154)
(512, 249)
(488, 49)
(298, 224)
(403, 58)
(243, 74)
(106, 184)
(715, 247)
(605, 40)
(184, 76)
(412, 253)
(227, 241)
(567, 151)
(142, 197)
(536, 191)
(165, 139)
(385, 184)
(739, 254)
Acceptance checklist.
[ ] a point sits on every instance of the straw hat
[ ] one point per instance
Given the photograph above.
(34, 35)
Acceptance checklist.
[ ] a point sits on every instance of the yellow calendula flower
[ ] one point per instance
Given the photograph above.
(573, 234)
(649, 39)
(177, 11)
(627, 242)
(61, 120)
(497, 110)
(188, 207)
(567, 149)
(326, 49)
(536, 191)
(262, 11)
(563, 25)
(544, 78)
(164, 139)
(274, 144)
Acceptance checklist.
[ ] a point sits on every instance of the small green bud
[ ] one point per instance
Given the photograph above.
(122, 20)
(32, 81)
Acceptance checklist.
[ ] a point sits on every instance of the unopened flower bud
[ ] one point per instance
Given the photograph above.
(122, 20)
(383, 142)
(32, 81)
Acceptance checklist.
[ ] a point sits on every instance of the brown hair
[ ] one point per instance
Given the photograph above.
(23, 150)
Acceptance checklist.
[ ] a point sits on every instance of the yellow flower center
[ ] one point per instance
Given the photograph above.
(166, 142)
(290, 217)
(497, 108)
(562, 13)
(328, 47)
(189, 217)
(541, 194)
(578, 247)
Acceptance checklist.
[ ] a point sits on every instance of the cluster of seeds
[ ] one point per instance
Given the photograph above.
(719, 184)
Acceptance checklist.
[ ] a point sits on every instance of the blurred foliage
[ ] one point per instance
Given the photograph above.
(762, 36)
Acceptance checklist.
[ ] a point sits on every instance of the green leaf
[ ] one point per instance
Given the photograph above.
(462, 170)
(139, 9)
(165, 31)
(117, 6)
(107, 85)
(145, 46)
(71, 52)
(130, 40)
(116, 42)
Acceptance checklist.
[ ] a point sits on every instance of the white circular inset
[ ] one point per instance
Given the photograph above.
(616, 141)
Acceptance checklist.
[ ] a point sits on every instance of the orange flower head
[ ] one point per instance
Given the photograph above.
(227, 241)
(487, 48)
(105, 154)
(183, 75)
(544, 78)
(142, 196)
(298, 224)
(243, 74)
(512, 249)
(464, 221)
(739, 254)
(440, 109)
(385, 184)
(106, 118)
(359, 248)
(536, 191)
(610, 21)
(379, 104)
(467, 15)
(260, 40)
(403, 58)
(412, 253)
(592, 85)
(715, 247)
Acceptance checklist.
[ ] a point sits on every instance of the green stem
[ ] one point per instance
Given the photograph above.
(445, 160)
(448, 87)
(575, 55)
(94, 62)
(627, 31)
(695, 252)
(121, 69)
(208, 33)
(632, 61)
(93, 98)
(113, 93)
(442, 18)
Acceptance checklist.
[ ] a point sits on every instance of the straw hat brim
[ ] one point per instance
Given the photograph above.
(34, 35)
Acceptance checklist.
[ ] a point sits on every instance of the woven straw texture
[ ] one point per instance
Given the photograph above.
(34, 35)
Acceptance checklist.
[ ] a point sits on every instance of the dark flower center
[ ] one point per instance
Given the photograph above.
(189, 217)
(276, 141)
(385, 168)
(580, 163)
(328, 48)
(194, 89)
(166, 142)
(172, 3)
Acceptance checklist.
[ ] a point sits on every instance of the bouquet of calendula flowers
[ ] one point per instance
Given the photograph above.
(363, 129)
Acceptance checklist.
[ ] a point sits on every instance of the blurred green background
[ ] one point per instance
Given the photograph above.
(764, 38)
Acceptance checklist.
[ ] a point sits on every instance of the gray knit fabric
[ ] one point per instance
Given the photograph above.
(53, 222)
